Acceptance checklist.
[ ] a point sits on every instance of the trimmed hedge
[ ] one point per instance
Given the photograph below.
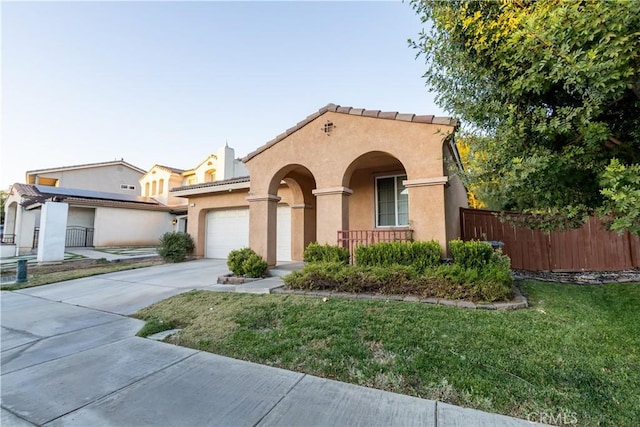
(175, 246)
(315, 252)
(245, 262)
(419, 255)
(471, 254)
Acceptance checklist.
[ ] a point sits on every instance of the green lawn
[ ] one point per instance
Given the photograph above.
(576, 351)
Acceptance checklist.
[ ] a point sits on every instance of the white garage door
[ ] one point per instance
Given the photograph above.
(228, 229)
(283, 252)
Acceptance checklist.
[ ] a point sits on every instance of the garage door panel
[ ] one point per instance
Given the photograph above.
(283, 252)
(226, 230)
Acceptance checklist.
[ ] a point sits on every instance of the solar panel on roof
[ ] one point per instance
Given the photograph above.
(90, 194)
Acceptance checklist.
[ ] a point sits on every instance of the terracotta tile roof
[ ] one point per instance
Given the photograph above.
(386, 115)
(26, 190)
(236, 180)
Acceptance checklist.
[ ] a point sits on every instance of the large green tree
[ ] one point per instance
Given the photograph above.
(550, 94)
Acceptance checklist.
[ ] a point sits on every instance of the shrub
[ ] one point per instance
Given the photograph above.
(254, 266)
(316, 276)
(419, 255)
(245, 262)
(325, 253)
(236, 258)
(175, 246)
(471, 254)
(479, 273)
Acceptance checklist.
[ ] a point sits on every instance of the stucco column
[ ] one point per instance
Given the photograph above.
(303, 229)
(332, 213)
(427, 215)
(17, 228)
(53, 232)
(262, 226)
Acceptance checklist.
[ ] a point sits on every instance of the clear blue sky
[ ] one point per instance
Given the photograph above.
(170, 82)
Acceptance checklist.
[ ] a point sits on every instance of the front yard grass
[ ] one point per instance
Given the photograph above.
(575, 352)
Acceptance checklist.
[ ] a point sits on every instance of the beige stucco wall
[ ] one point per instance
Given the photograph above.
(130, 227)
(343, 166)
(169, 180)
(417, 145)
(80, 217)
(99, 178)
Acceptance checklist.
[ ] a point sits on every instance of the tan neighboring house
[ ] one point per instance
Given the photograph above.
(106, 204)
(157, 182)
(100, 206)
(117, 176)
(341, 176)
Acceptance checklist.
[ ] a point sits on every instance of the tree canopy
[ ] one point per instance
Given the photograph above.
(550, 96)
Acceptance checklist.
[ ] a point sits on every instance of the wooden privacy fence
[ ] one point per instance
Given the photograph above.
(589, 248)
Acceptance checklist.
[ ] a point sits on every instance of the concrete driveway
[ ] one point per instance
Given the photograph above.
(70, 357)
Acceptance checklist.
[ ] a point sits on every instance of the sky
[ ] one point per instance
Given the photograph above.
(170, 82)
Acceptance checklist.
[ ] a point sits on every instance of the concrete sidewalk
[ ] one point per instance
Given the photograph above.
(70, 357)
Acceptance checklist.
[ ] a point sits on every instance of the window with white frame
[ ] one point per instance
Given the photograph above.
(392, 201)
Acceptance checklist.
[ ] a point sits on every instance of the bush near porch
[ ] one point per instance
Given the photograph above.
(246, 262)
(478, 273)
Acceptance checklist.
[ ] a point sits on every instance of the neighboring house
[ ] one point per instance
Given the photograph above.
(96, 204)
(117, 176)
(216, 167)
(91, 218)
(105, 204)
(342, 175)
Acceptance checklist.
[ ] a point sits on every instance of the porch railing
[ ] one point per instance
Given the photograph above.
(79, 237)
(350, 239)
(75, 237)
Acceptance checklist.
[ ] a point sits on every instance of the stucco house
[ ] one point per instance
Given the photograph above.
(104, 204)
(342, 176)
(98, 204)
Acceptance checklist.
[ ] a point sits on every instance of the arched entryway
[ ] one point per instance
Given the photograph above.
(370, 170)
(9, 230)
(289, 192)
(379, 198)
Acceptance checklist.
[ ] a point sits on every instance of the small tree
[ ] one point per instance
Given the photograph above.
(175, 246)
(549, 92)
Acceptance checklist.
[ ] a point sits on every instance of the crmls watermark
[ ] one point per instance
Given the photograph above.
(561, 418)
